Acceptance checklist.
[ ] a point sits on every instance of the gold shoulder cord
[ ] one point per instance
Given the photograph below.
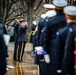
(35, 31)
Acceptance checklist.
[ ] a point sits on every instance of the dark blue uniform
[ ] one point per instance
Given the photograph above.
(3, 51)
(31, 37)
(42, 23)
(65, 49)
(16, 26)
(21, 42)
(42, 65)
(54, 24)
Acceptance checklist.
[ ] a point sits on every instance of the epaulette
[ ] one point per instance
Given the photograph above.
(61, 31)
(57, 33)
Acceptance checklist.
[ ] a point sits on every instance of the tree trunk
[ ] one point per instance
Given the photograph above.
(30, 18)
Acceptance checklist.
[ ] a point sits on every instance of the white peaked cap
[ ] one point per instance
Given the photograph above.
(43, 15)
(60, 3)
(50, 6)
(70, 10)
(50, 13)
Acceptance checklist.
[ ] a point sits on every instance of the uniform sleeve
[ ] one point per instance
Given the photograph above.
(4, 30)
(24, 27)
(59, 50)
(38, 34)
(47, 34)
(3, 49)
(33, 27)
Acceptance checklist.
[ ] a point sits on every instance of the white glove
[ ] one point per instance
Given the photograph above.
(6, 39)
(47, 58)
(38, 48)
(59, 71)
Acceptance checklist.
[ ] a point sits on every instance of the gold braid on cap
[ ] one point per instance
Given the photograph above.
(59, 8)
(47, 9)
(72, 17)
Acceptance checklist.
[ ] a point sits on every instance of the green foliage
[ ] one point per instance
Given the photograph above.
(75, 3)
(28, 37)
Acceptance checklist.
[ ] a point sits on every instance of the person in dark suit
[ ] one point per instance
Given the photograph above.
(21, 40)
(66, 44)
(54, 24)
(3, 51)
(16, 26)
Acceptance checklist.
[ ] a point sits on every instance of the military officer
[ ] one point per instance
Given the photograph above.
(16, 26)
(3, 51)
(33, 34)
(54, 24)
(43, 64)
(49, 14)
(21, 40)
(32, 29)
(42, 22)
(66, 43)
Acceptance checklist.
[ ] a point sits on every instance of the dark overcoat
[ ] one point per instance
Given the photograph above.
(54, 24)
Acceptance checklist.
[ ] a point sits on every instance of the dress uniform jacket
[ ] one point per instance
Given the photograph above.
(2, 27)
(42, 23)
(3, 52)
(22, 34)
(42, 65)
(16, 26)
(33, 27)
(32, 36)
(3, 55)
(54, 24)
(65, 49)
(21, 42)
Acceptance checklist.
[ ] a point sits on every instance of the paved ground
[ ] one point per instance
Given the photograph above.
(26, 68)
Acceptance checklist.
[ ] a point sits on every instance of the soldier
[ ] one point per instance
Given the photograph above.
(3, 51)
(43, 64)
(42, 23)
(49, 14)
(54, 24)
(36, 61)
(16, 26)
(66, 43)
(33, 34)
(21, 40)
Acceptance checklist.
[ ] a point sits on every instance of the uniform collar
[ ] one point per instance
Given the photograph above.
(70, 24)
(60, 13)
